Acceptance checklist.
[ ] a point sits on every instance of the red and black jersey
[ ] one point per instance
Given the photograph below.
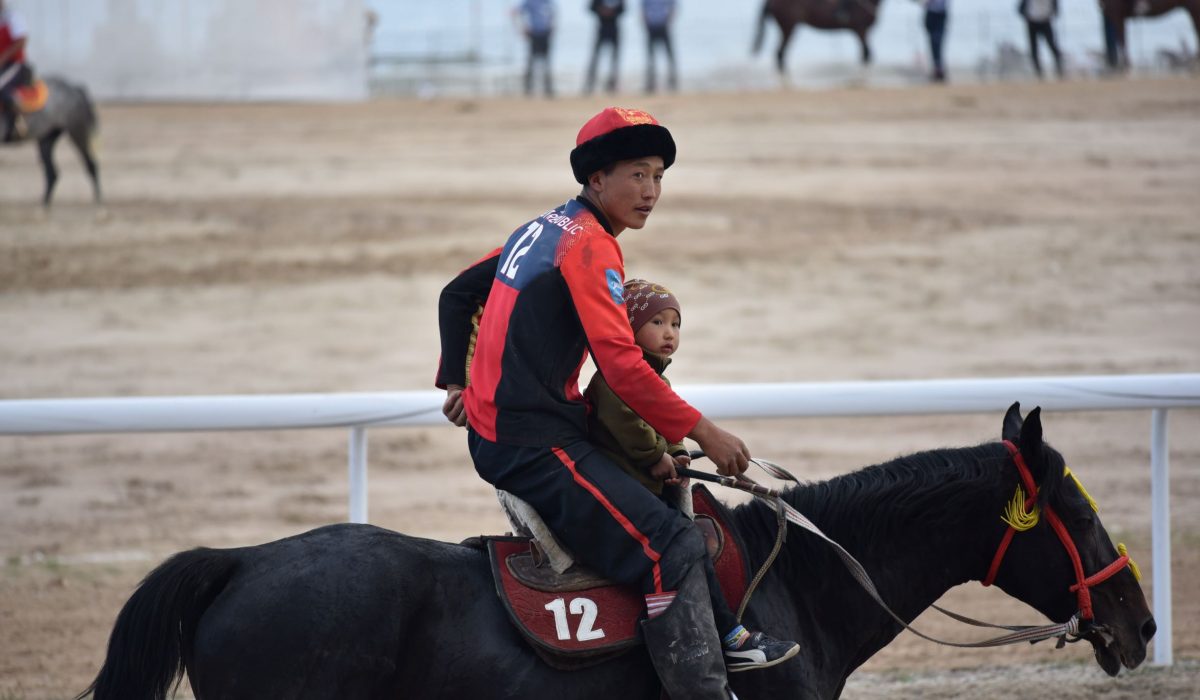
(550, 295)
(12, 30)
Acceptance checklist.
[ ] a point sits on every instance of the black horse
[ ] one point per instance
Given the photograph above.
(68, 110)
(353, 611)
(857, 16)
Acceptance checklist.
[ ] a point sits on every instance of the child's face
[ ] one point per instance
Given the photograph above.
(660, 335)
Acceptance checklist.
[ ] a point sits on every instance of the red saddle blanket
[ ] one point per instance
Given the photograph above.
(578, 615)
(31, 98)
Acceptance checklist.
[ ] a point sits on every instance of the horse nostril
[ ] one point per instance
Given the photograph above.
(1148, 630)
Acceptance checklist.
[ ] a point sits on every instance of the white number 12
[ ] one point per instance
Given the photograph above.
(509, 268)
(579, 606)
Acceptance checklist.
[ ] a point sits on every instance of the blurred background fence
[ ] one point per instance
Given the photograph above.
(348, 49)
(202, 49)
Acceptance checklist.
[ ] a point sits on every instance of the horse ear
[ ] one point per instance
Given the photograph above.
(1011, 430)
(1030, 443)
(1031, 431)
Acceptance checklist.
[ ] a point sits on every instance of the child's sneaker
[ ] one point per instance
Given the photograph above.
(759, 651)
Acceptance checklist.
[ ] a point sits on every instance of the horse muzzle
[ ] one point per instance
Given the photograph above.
(1114, 650)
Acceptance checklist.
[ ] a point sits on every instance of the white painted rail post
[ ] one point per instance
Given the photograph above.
(358, 474)
(1160, 533)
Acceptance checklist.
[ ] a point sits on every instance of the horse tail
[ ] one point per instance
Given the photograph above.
(151, 642)
(762, 28)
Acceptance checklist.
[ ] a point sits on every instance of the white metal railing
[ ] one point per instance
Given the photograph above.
(360, 411)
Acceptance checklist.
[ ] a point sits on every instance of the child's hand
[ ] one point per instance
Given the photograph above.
(681, 461)
(664, 470)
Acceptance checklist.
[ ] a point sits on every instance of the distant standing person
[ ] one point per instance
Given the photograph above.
(1038, 14)
(537, 23)
(658, 15)
(936, 13)
(607, 12)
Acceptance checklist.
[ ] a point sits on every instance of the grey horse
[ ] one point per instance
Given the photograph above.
(68, 110)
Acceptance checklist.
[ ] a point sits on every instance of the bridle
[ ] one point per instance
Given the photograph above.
(1028, 519)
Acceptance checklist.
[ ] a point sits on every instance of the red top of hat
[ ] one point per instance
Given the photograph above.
(611, 119)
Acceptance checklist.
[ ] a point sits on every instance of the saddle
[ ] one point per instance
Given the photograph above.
(575, 618)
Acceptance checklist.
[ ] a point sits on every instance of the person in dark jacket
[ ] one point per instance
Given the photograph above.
(937, 12)
(1039, 15)
(607, 34)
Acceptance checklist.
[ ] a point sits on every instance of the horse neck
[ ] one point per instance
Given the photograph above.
(919, 525)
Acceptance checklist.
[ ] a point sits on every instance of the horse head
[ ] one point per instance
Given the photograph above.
(1061, 560)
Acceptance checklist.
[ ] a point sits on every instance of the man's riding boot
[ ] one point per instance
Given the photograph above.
(684, 645)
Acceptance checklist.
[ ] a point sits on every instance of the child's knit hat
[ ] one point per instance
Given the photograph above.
(645, 299)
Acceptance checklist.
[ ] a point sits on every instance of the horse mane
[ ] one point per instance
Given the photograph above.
(910, 496)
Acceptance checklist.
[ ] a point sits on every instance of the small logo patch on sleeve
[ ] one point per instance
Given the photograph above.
(615, 286)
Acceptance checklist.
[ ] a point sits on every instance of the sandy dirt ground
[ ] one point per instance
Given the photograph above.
(980, 231)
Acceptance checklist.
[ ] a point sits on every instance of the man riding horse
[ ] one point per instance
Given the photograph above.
(516, 328)
(14, 72)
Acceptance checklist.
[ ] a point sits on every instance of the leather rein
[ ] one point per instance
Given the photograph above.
(1069, 631)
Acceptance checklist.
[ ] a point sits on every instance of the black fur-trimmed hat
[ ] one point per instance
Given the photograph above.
(617, 134)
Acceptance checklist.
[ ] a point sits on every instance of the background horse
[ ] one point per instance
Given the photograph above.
(68, 109)
(354, 611)
(856, 15)
(1117, 11)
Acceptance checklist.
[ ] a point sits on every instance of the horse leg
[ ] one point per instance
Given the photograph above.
(762, 29)
(83, 143)
(46, 150)
(783, 44)
(866, 48)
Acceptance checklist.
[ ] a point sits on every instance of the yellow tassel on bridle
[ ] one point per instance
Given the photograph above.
(1121, 550)
(1019, 519)
(1133, 567)
(1078, 484)
(1015, 514)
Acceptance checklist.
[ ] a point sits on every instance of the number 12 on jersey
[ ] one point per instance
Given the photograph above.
(519, 249)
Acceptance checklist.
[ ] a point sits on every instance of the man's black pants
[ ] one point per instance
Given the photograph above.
(609, 521)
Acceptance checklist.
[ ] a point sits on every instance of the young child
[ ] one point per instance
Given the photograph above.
(632, 443)
(655, 318)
